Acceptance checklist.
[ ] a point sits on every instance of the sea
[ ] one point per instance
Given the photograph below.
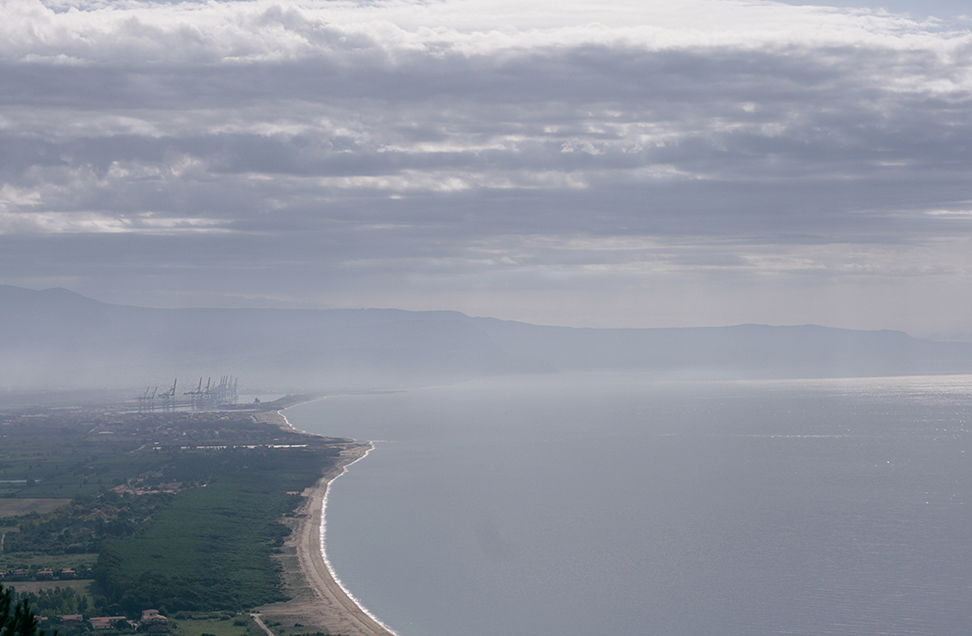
(627, 504)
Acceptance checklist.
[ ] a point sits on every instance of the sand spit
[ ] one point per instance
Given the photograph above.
(274, 418)
(318, 601)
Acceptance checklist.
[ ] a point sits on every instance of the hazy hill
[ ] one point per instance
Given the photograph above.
(56, 338)
(743, 350)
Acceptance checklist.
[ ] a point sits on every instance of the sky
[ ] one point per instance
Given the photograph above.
(631, 163)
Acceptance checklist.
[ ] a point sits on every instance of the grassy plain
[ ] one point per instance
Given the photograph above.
(279, 628)
(21, 507)
(81, 587)
(15, 560)
(219, 625)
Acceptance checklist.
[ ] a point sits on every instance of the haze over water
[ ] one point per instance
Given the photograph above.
(616, 504)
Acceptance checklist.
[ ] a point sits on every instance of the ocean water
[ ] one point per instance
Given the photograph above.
(618, 504)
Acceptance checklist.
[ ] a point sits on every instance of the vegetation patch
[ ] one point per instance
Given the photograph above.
(34, 587)
(33, 562)
(211, 547)
(21, 507)
(281, 628)
(222, 625)
(53, 601)
(178, 512)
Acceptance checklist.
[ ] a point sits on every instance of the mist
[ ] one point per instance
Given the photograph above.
(56, 339)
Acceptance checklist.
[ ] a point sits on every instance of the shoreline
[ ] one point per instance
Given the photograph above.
(278, 419)
(319, 599)
(323, 551)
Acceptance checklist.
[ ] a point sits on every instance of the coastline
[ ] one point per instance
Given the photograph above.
(318, 598)
(278, 419)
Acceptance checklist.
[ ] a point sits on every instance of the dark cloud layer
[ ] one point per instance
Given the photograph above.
(342, 154)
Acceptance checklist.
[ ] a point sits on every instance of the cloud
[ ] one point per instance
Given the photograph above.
(386, 143)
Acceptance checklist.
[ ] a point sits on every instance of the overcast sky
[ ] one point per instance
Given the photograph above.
(642, 163)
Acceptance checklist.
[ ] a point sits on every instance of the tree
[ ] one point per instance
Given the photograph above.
(16, 619)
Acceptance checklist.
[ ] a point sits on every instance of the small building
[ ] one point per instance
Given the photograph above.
(71, 619)
(67, 573)
(152, 621)
(105, 622)
(19, 575)
(45, 575)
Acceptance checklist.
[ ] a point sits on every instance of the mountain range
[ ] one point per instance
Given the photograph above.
(56, 338)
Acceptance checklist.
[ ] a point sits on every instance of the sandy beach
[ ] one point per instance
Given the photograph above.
(274, 418)
(318, 601)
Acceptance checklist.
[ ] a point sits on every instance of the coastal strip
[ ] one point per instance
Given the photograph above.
(318, 599)
(275, 418)
(322, 552)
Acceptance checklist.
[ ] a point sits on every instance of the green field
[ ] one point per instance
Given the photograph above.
(219, 625)
(47, 561)
(82, 587)
(280, 628)
(21, 507)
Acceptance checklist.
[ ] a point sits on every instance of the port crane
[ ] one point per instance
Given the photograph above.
(168, 398)
(146, 402)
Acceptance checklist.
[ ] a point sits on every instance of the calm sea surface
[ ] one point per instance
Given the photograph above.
(614, 504)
